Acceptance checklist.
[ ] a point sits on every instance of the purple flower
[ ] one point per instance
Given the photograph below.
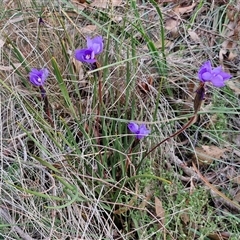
(139, 130)
(95, 44)
(216, 76)
(94, 47)
(85, 55)
(38, 77)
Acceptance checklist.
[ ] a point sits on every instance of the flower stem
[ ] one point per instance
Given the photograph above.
(198, 100)
(46, 106)
(128, 161)
(98, 76)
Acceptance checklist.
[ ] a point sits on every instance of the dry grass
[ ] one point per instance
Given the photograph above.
(79, 179)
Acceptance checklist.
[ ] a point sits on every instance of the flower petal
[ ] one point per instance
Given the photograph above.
(217, 70)
(38, 77)
(96, 44)
(89, 42)
(216, 76)
(85, 55)
(218, 81)
(44, 73)
(206, 76)
(206, 67)
(133, 127)
(225, 76)
(143, 131)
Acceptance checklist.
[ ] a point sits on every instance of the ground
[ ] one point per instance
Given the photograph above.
(70, 166)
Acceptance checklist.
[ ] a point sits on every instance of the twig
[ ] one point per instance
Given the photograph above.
(214, 189)
(198, 100)
(98, 75)
(46, 105)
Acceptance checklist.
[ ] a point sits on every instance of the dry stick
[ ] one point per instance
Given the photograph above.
(99, 76)
(198, 100)
(47, 111)
(213, 188)
(46, 106)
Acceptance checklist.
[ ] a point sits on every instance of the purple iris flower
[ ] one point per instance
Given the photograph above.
(94, 47)
(85, 55)
(38, 77)
(216, 75)
(96, 44)
(140, 131)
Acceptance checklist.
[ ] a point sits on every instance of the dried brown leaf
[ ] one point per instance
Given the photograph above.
(187, 9)
(206, 154)
(159, 209)
(235, 86)
(171, 24)
(194, 36)
(214, 151)
(79, 4)
(233, 204)
(226, 54)
(230, 14)
(173, 21)
(117, 18)
(89, 29)
(145, 86)
(78, 66)
(218, 236)
(185, 218)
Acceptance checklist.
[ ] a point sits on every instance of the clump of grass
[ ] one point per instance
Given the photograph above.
(80, 175)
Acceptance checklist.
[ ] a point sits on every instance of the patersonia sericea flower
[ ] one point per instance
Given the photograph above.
(94, 47)
(214, 75)
(38, 77)
(140, 131)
